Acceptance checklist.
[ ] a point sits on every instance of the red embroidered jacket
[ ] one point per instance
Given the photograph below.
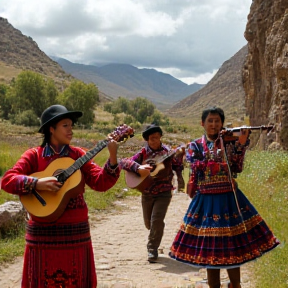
(17, 180)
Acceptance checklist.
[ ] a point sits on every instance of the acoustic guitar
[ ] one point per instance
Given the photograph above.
(141, 182)
(49, 206)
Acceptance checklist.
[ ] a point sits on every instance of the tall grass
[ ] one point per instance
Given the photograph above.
(264, 181)
(7, 156)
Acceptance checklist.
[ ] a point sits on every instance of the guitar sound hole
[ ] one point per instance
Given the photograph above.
(57, 172)
(153, 168)
(152, 164)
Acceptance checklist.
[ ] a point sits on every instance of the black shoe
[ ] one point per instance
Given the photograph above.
(152, 256)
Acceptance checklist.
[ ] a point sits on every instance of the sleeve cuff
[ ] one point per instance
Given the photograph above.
(29, 184)
(112, 169)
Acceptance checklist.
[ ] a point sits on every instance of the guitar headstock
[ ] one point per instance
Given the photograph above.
(121, 133)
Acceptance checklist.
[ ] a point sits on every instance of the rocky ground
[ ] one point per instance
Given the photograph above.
(119, 240)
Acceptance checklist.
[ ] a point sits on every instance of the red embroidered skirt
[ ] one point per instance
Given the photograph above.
(58, 255)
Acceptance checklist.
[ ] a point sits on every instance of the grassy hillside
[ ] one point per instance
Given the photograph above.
(7, 73)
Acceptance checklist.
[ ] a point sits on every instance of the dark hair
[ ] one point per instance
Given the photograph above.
(213, 110)
(46, 134)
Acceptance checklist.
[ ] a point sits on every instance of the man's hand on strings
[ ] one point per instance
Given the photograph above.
(142, 169)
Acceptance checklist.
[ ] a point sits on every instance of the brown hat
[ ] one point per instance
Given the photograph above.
(150, 129)
(57, 112)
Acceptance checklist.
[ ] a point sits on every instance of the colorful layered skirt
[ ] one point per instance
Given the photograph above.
(214, 234)
(59, 255)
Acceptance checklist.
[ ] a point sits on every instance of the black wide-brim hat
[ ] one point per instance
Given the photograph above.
(150, 129)
(57, 112)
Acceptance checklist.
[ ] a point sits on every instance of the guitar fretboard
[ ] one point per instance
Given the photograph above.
(160, 158)
(65, 174)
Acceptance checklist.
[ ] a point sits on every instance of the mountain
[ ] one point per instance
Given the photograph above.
(19, 52)
(225, 90)
(131, 82)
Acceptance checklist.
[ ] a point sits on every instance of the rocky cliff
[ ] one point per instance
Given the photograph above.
(265, 73)
(225, 90)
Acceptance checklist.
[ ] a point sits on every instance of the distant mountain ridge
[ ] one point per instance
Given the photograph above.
(19, 52)
(224, 90)
(129, 81)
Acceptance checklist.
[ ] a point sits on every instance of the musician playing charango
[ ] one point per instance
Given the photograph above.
(59, 254)
(157, 190)
(221, 228)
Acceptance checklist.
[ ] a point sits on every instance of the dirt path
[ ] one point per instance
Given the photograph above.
(119, 241)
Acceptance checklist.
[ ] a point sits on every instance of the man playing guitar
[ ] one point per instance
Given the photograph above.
(153, 164)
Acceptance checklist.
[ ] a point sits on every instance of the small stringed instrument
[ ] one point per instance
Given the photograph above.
(233, 134)
(48, 205)
(141, 182)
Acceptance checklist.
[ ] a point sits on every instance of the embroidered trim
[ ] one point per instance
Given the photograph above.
(204, 260)
(110, 170)
(222, 231)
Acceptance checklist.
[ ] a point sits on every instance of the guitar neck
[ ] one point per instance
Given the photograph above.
(164, 157)
(65, 174)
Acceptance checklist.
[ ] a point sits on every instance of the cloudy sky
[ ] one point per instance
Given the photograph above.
(189, 39)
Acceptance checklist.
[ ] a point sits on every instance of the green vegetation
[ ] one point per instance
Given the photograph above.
(17, 104)
(82, 97)
(12, 246)
(138, 110)
(265, 183)
(17, 100)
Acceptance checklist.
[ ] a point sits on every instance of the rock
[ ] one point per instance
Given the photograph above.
(274, 146)
(12, 214)
(265, 72)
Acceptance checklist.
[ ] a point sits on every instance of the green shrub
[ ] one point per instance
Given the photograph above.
(27, 118)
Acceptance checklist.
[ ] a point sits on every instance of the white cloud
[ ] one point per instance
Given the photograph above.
(200, 79)
(189, 36)
(130, 18)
